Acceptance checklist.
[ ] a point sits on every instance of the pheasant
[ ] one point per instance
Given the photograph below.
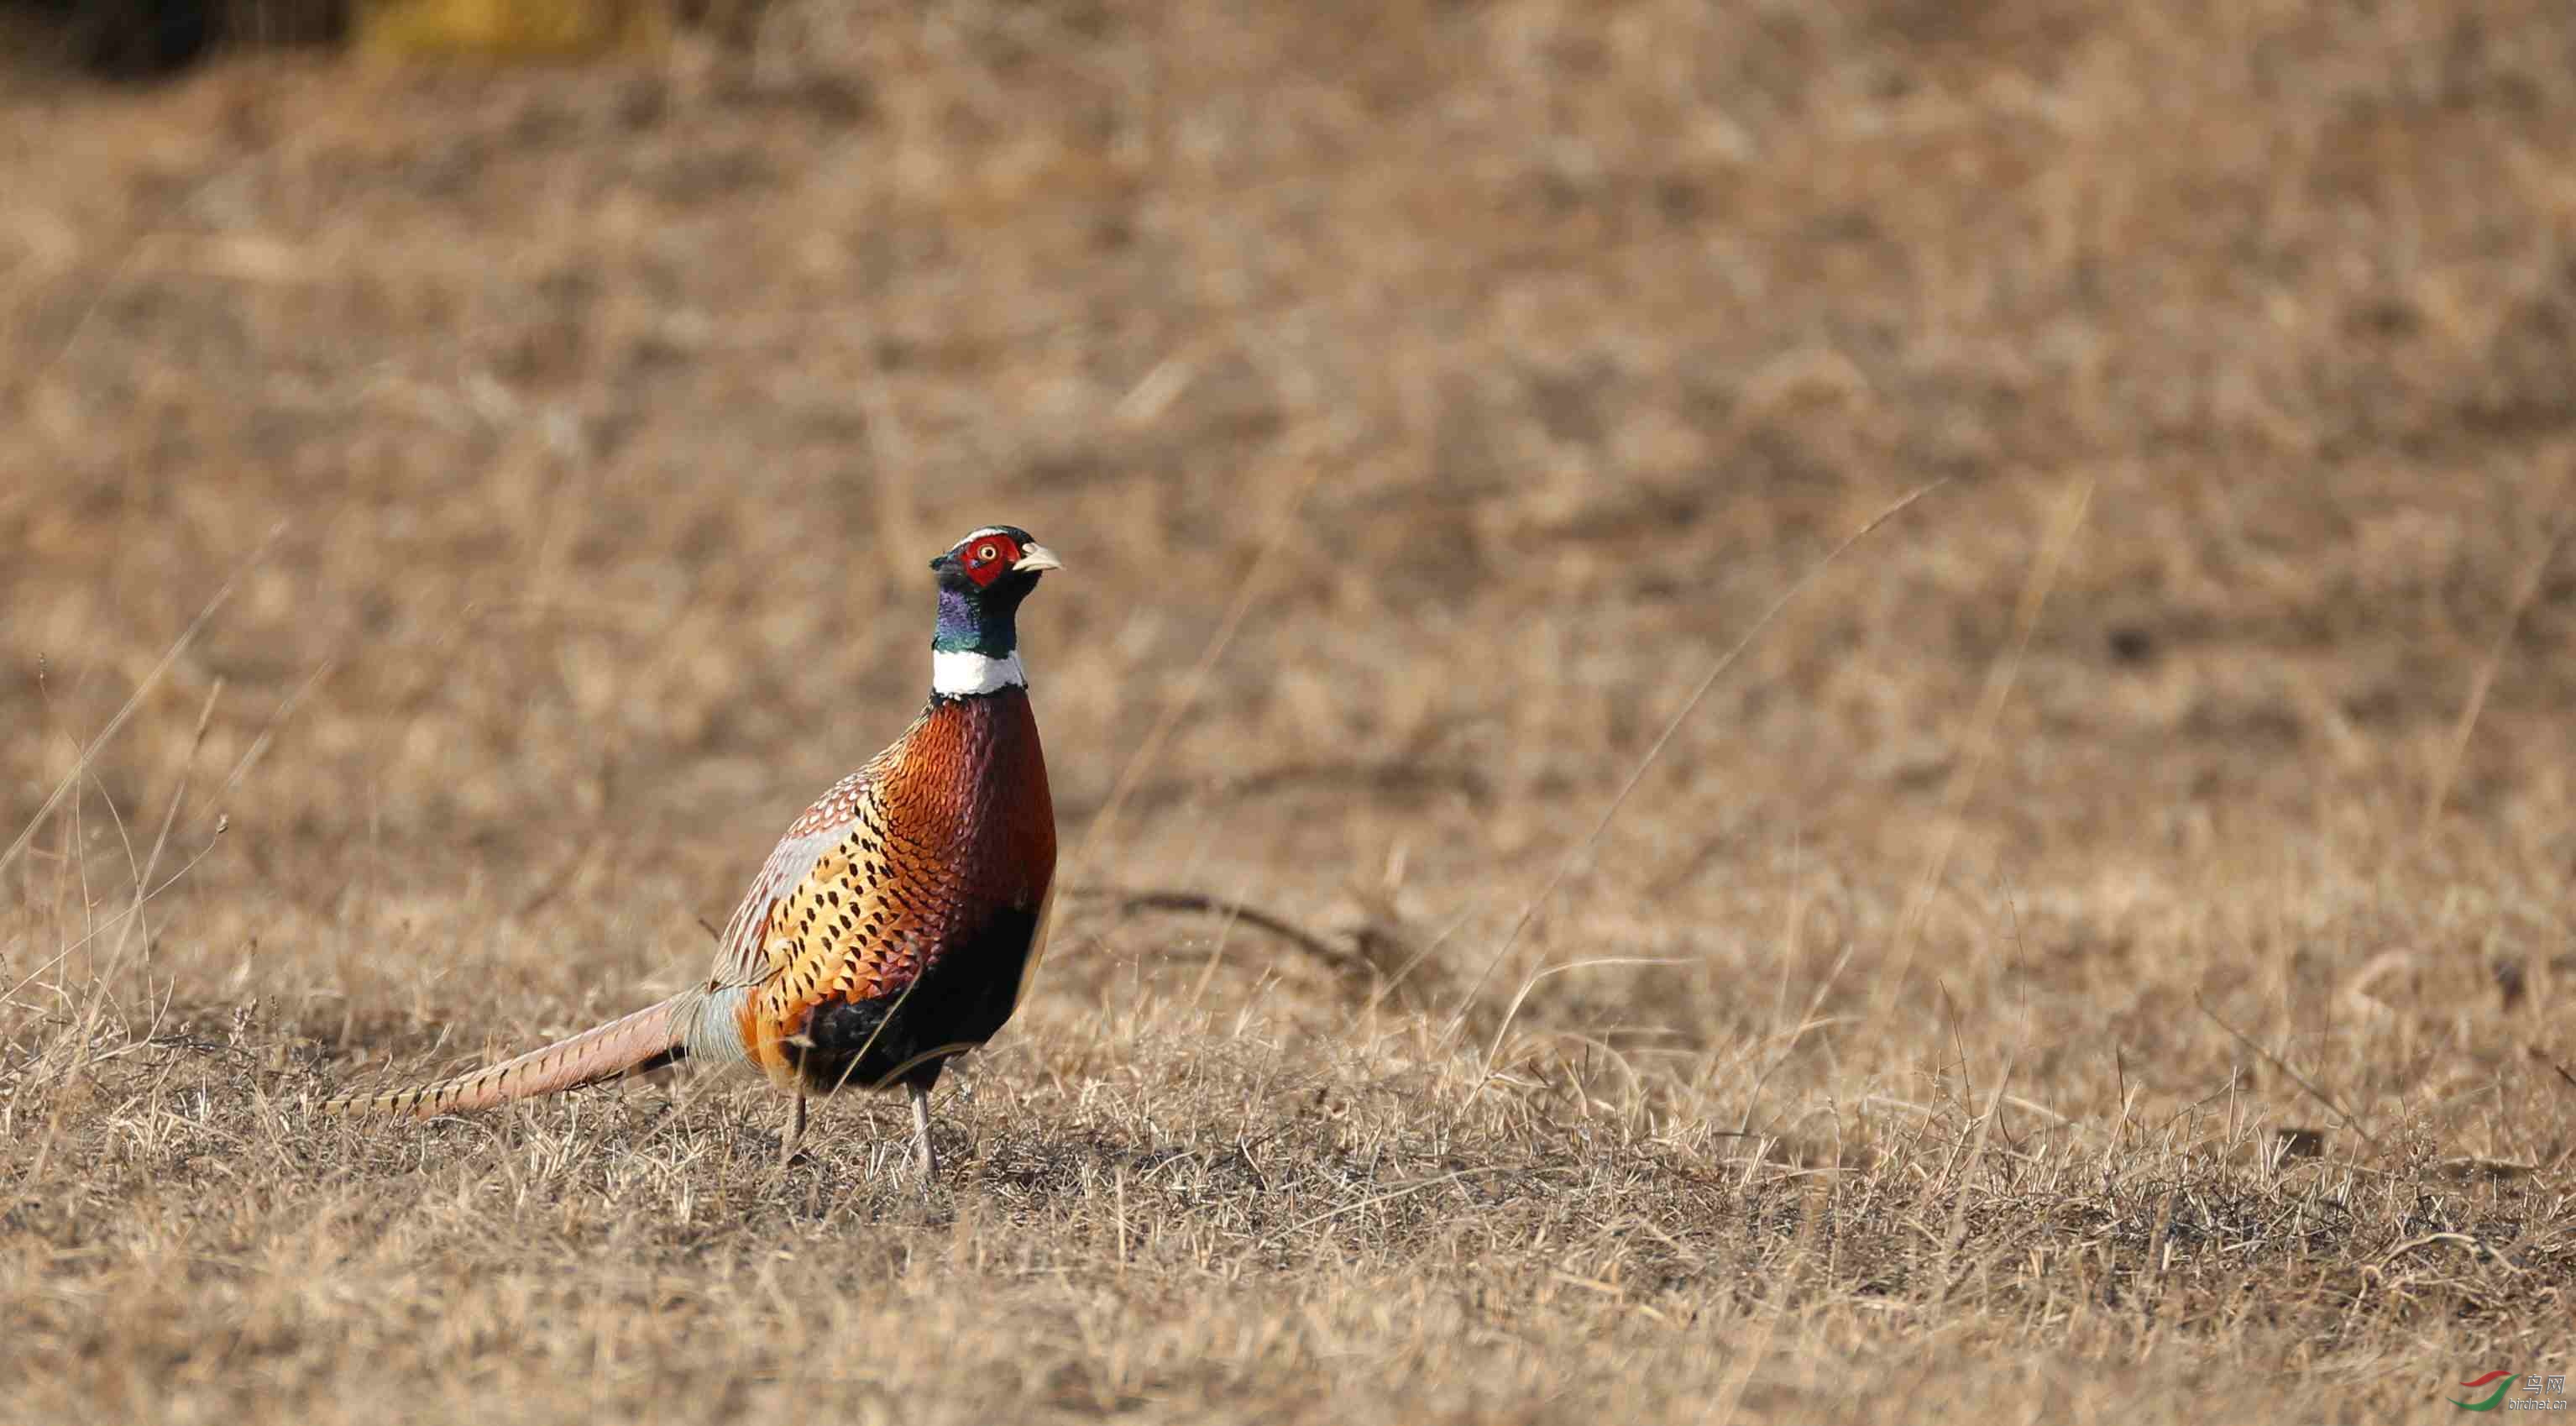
(896, 923)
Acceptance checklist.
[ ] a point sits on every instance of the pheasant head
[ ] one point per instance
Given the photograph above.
(975, 646)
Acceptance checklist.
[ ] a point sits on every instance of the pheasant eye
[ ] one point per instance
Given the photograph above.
(986, 552)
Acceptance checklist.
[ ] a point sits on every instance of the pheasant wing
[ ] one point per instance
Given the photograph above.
(743, 953)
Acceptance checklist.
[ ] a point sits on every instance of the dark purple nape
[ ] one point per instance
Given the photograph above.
(975, 620)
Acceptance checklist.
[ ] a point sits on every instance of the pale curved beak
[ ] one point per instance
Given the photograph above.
(1035, 557)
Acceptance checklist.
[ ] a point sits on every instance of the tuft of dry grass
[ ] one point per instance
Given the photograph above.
(609, 415)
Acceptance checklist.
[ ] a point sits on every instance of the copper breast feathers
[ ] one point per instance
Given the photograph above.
(904, 866)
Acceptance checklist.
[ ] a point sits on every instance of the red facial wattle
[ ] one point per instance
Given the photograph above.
(989, 557)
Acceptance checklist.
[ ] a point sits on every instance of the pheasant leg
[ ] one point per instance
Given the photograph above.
(924, 1157)
(795, 1133)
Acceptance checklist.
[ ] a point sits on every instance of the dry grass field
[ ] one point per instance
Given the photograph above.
(2104, 951)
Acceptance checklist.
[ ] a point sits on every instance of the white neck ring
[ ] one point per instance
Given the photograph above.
(963, 673)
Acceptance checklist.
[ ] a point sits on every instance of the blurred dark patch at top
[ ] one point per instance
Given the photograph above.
(122, 39)
(144, 40)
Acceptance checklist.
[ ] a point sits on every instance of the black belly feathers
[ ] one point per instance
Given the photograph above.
(904, 1038)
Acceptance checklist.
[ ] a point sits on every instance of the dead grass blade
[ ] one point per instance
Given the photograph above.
(1981, 728)
(1493, 1052)
(1390, 1196)
(1583, 849)
(2525, 589)
(1957, 1236)
(133, 701)
(1185, 694)
(93, 932)
(2350, 1121)
(161, 840)
(259, 745)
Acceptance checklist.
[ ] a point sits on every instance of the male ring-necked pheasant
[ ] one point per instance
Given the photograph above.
(896, 923)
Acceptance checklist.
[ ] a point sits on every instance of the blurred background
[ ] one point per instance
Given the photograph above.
(576, 412)
(484, 457)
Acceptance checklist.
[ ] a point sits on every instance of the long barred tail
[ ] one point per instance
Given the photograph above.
(648, 1039)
